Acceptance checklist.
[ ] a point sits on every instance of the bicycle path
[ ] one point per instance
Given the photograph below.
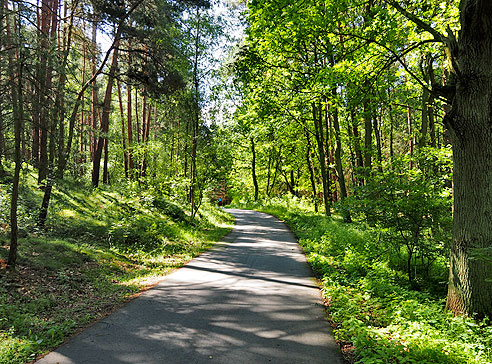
(251, 299)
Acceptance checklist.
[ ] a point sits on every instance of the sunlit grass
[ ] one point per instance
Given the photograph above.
(100, 247)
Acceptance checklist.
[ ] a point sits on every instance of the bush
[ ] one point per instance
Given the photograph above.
(411, 205)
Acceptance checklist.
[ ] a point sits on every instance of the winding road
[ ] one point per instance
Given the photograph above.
(251, 299)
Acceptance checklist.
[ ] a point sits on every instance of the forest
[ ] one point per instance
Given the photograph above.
(364, 125)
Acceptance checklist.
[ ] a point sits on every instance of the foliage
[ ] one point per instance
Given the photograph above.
(409, 199)
(377, 317)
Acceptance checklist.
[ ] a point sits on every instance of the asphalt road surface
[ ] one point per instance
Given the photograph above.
(251, 299)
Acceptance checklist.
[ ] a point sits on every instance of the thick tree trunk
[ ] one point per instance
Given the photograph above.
(470, 121)
(469, 291)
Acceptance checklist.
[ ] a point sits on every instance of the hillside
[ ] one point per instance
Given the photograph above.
(100, 247)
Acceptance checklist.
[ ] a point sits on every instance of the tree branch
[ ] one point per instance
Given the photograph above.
(438, 37)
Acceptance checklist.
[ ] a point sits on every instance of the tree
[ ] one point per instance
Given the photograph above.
(468, 92)
(470, 124)
(16, 67)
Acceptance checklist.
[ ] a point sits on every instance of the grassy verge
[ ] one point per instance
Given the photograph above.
(377, 316)
(100, 248)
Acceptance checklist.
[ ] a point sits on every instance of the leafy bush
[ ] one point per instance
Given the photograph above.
(411, 205)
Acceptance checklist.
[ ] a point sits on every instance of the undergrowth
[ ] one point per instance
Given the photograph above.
(99, 248)
(378, 317)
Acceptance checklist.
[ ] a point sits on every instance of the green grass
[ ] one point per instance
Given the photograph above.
(377, 316)
(100, 247)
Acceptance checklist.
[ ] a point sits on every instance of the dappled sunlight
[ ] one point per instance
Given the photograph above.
(248, 300)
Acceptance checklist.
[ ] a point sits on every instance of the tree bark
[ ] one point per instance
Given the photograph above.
(94, 102)
(105, 117)
(312, 178)
(130, 129)
(425, 118)
(338, 162)
(470, 123)
(16, 70)
(123, 133)
(367, 138)
(318, 132)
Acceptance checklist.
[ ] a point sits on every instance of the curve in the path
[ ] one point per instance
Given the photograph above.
(249, 300)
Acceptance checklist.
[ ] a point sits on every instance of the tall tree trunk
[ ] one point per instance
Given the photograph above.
(432, 124)
(105, 117)
(318, 132)
(338, 162)
(82, 112)
(16, 74)
(330, 177)
(367, 138)
(18, 116)
(312, 178)
(410, 133)
(253, 168)
(425, 118)
(357, 147)
(44, 85)
(269, 169)
(94, 102)
(390, 113)
(123, 133)
(105, 162)
(196, 115)
(130, 129)
(137, 124)
(377, 133)
(2, 139)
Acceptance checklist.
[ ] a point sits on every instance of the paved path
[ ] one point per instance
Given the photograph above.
(249, 300)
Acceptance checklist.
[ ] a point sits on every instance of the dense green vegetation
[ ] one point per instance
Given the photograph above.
(377, 315)
(100, 247)
(356, 105)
